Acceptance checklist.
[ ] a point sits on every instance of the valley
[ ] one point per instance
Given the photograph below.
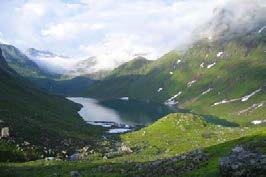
(116, 109)
(184, 108)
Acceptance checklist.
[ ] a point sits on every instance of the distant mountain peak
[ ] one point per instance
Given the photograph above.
(32, 52)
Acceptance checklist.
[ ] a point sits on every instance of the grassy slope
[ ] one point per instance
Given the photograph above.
(240, 71)
(38, 117)
(172, 135)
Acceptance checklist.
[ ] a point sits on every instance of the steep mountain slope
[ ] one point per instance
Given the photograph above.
(20, 62)
(38, 118)
(53, 83)
(221, 78)
(66, 87)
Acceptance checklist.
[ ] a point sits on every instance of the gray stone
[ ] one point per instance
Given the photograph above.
(49, 158)
(5, 132)
(238, 149)
(243, 163)
(125, 148)
(75, 174)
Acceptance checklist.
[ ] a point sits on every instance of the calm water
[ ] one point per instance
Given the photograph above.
(120, 115)
(128, 112)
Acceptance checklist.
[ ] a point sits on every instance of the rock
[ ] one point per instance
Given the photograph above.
(75, 157)
(75, 174)
(85, 149)
(243, 163)
(26, 143)
(166, 167)
(5, 132)
(125, 148)
(238, 149)
(49, 158)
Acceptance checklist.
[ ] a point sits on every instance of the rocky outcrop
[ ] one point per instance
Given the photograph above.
(75, 174)
(5, 132)
(174, 166)
(242, 163)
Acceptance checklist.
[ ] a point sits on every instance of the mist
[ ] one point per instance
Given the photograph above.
(113, 32)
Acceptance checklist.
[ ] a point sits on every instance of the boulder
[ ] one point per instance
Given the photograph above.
(75, 174)
(5, 132)
(243, 163)
(125, 148)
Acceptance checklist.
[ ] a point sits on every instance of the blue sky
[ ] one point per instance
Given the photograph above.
(112, 30)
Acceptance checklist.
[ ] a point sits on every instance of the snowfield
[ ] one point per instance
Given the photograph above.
(211, 65)
(124, 98)
(220, 54)
(159, 89)
(171, 101)
(189, 84)
(207, 91)
(243, 99)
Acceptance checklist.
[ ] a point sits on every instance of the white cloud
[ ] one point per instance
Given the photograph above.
(69, 30)
(3, 40)
(116, 49)
(115, 30)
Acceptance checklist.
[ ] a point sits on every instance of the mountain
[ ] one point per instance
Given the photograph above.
(66, 86)
(224, 78)
(37, 53)
(83, 67)
(61, 81)
(50, 62)
(40, 120)
(20, 62)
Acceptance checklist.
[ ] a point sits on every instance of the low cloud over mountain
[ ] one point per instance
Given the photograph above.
(115, 31)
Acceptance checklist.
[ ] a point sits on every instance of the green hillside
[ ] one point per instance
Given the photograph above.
(20, 62)
(155, 149)
(38, 118)
(207, 73)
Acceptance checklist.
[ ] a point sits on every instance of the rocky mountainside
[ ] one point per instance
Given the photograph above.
(221, 78)
(20, 62)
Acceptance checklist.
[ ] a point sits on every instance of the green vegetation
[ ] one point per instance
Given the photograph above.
(39, 118)
(20, 62)
(236, 72)
(227, 71)
(168, 137)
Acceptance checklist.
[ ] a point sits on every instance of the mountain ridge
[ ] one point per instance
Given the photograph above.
(208, 72)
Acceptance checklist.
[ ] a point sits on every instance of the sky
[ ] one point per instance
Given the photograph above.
(112, 30)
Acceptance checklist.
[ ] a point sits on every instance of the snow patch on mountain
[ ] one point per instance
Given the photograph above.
(207, 91)
(219, 54)
(257, 122)
(124, 98)
(243, 99)
(178, 61)
(252, 108)
(171, 101)
(189, 84)
(159, 89)
(211, 65)
(263, 28)
(202, 65)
